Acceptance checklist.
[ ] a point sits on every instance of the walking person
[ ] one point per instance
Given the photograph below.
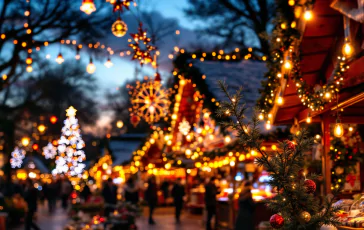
(31, 197)
(151, 197)
(210, 201)
(245, 218)
(66, 189)
(110, 193)
(86, 192)
(131, 191)
(178, 192)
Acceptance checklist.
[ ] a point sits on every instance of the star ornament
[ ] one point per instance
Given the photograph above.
(119, 5)
(141, 47)
(71, 111)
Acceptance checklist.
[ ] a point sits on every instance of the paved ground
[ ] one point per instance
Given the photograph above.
(164, 218)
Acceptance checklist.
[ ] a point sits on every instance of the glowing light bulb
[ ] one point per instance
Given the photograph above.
(327, 95)
(288, 65)
(91, 68)
(308, 15)
(227, 139)
(25, 141)
(338, 130)
(108, 63)
(29, 60)
(29, 69)
(119, 124)
(308, 119)
(291, 2)
(268, 126)
(77, 57)
(347, 49)
(59, 59)
(351, 128)
(280, 100)
(88, 6)
(41, 128)
(261, 116)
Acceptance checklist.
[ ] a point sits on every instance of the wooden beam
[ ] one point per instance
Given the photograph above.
(326, 161)
(348, 102)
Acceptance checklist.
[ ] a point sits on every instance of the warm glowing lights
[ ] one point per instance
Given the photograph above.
(119, 28)
(53, 119)
(60, 58)
(291, 2)
(351, 129)
(227, 139)
(25, 141)
(41, 128)
(108, 63)
(29, 60)
(280, 100)
(88, 6)
(308, 15)
(347, 49)
(91, 68)
(261, 116)
(268, 125)
(327, 95)
(287, 65)
(188, 152)
(119, 124)
(308, 119)
(338, 129)
(29, 69)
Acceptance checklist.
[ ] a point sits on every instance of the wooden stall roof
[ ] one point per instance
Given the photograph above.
(318, 49)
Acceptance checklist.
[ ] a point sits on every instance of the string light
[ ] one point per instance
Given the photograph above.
(91, 68)
(347, 49)
(351, 128)
(308, 119)
(29, 60)
(280, 100)
(59, 58)
(29, 69)
(308, 15)
(108, 63)
(25, 141)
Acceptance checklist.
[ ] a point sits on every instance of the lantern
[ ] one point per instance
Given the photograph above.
(91, 68)
(88, 6)
(119, 28)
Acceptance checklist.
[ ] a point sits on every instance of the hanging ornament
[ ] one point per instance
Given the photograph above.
(91, 68)
(310, 186)
(49, 151)
(120, 4)
(119, 28)
(304, 217)
(338, 130)
(290, 145)
(184, 127)
(134, 119)
(60, 58)
(339, 170)
(150, 101)
(143, 55)
(88, 6)
(276, 221)
(108, 63)
(17, 157)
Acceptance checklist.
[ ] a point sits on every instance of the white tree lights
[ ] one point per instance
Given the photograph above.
(70, 154)
(17, 157)
(49, 151)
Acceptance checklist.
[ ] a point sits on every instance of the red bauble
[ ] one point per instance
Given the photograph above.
(310, 186)
(291, 145)
(134, 120)
(276, 221)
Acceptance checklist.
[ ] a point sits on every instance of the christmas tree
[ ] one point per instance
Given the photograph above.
(70, 154)
(295, 205)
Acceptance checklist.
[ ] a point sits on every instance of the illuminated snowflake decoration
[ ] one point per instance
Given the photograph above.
(49, 151)
(70, 158)
(141, 47)
(17, 157)
(184, 127)
(150, 101)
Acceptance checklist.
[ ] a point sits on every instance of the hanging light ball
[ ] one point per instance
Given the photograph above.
(29, 60)
(29, 69)
(60, 58)
(119, 28)
(88, 6)
(347, 49)
(91, 68)
(108, 63)
(338, 130)
(25, 141)
(308, 119)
